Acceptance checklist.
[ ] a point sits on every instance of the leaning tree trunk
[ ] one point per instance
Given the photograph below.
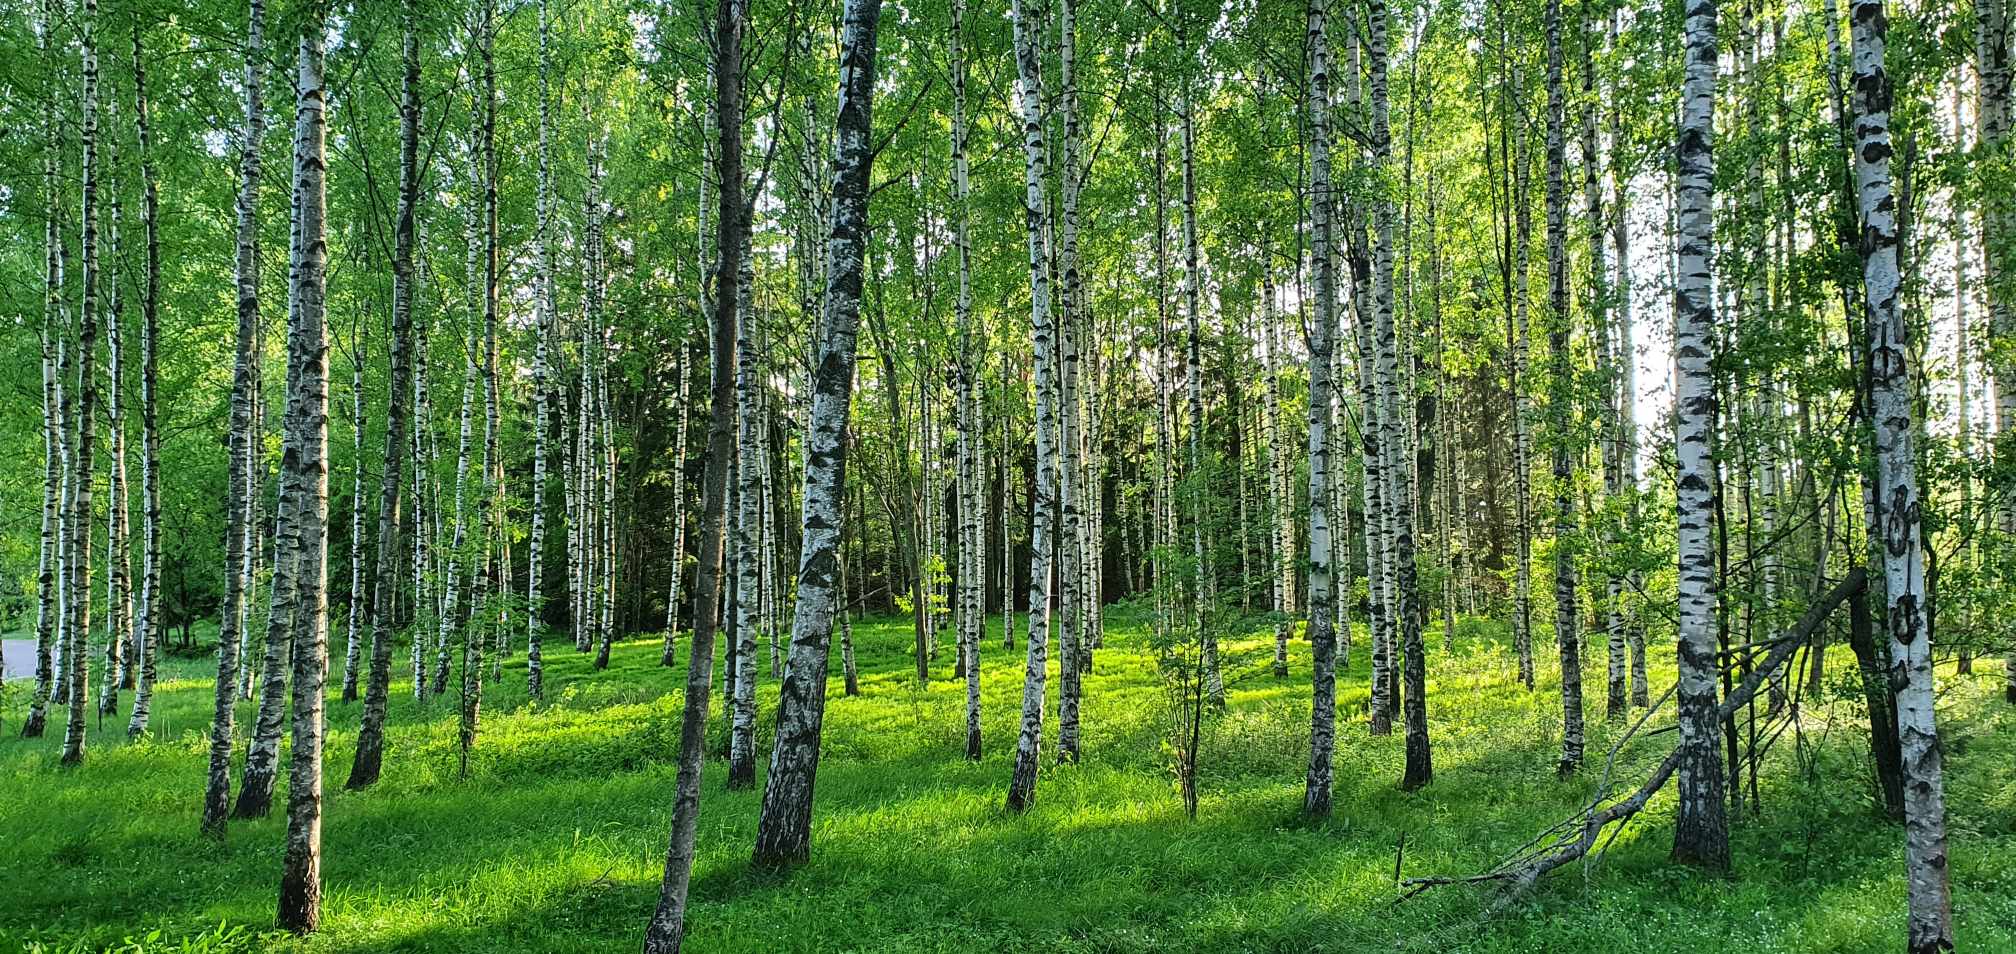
(365, 766)
(667, 927)
(1701, 830)
(1322, 637)
(147, 622)
(77, 668)
(1929, 924)
(1043, 339)
(305, 480)
(784, 829)
(244, 392)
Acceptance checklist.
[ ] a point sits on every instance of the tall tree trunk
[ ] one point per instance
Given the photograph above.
(1403, 612)
(1043, 339)
(1522, 414)
(748, 538)
(1206, 589)
(55, 325)
(667, 927)
(784, 830)
(148, 620)
(1992, 119)
(305, 481)
(365, 765)
(353, 645)
(1611, 442)
(77, 665)
(1071, 339)
(972, 539)
(1561, 390)
(1701, 830)
(1322, 637)
(118, 513)
(1930, 919)
(244, 393)
(535, 594)
(490, 486)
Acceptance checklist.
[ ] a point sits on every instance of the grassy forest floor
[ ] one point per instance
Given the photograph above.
(556, 841)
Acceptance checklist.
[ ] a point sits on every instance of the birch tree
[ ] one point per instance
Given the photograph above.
(1929, 923)
(1701, 828)
(244, 392)
(666, 930)
(77, 664)
(49, 609)
(1322, 638)
(368, 761)
(305, 484)
(784, 829)
(1560, 397)
(1043, 339)
(147, 620)
(546, 305)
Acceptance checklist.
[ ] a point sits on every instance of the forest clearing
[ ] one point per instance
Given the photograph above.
(1082, 475)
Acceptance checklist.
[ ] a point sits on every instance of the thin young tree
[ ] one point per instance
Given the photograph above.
(1561, 413)
(147, 619)
(366, 765)
(77, 665)
(242, 441)
(667, 928)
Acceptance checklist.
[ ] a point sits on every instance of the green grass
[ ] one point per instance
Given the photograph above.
(556, 842)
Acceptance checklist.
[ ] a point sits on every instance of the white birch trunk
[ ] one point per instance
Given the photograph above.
(1701, 830)
(784, 829)
(1316, 795)
(1929, 923)
(305, 483)
(1043, 339)
(244, 394)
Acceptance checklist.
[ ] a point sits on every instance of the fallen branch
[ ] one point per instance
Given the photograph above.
(1578, 834)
